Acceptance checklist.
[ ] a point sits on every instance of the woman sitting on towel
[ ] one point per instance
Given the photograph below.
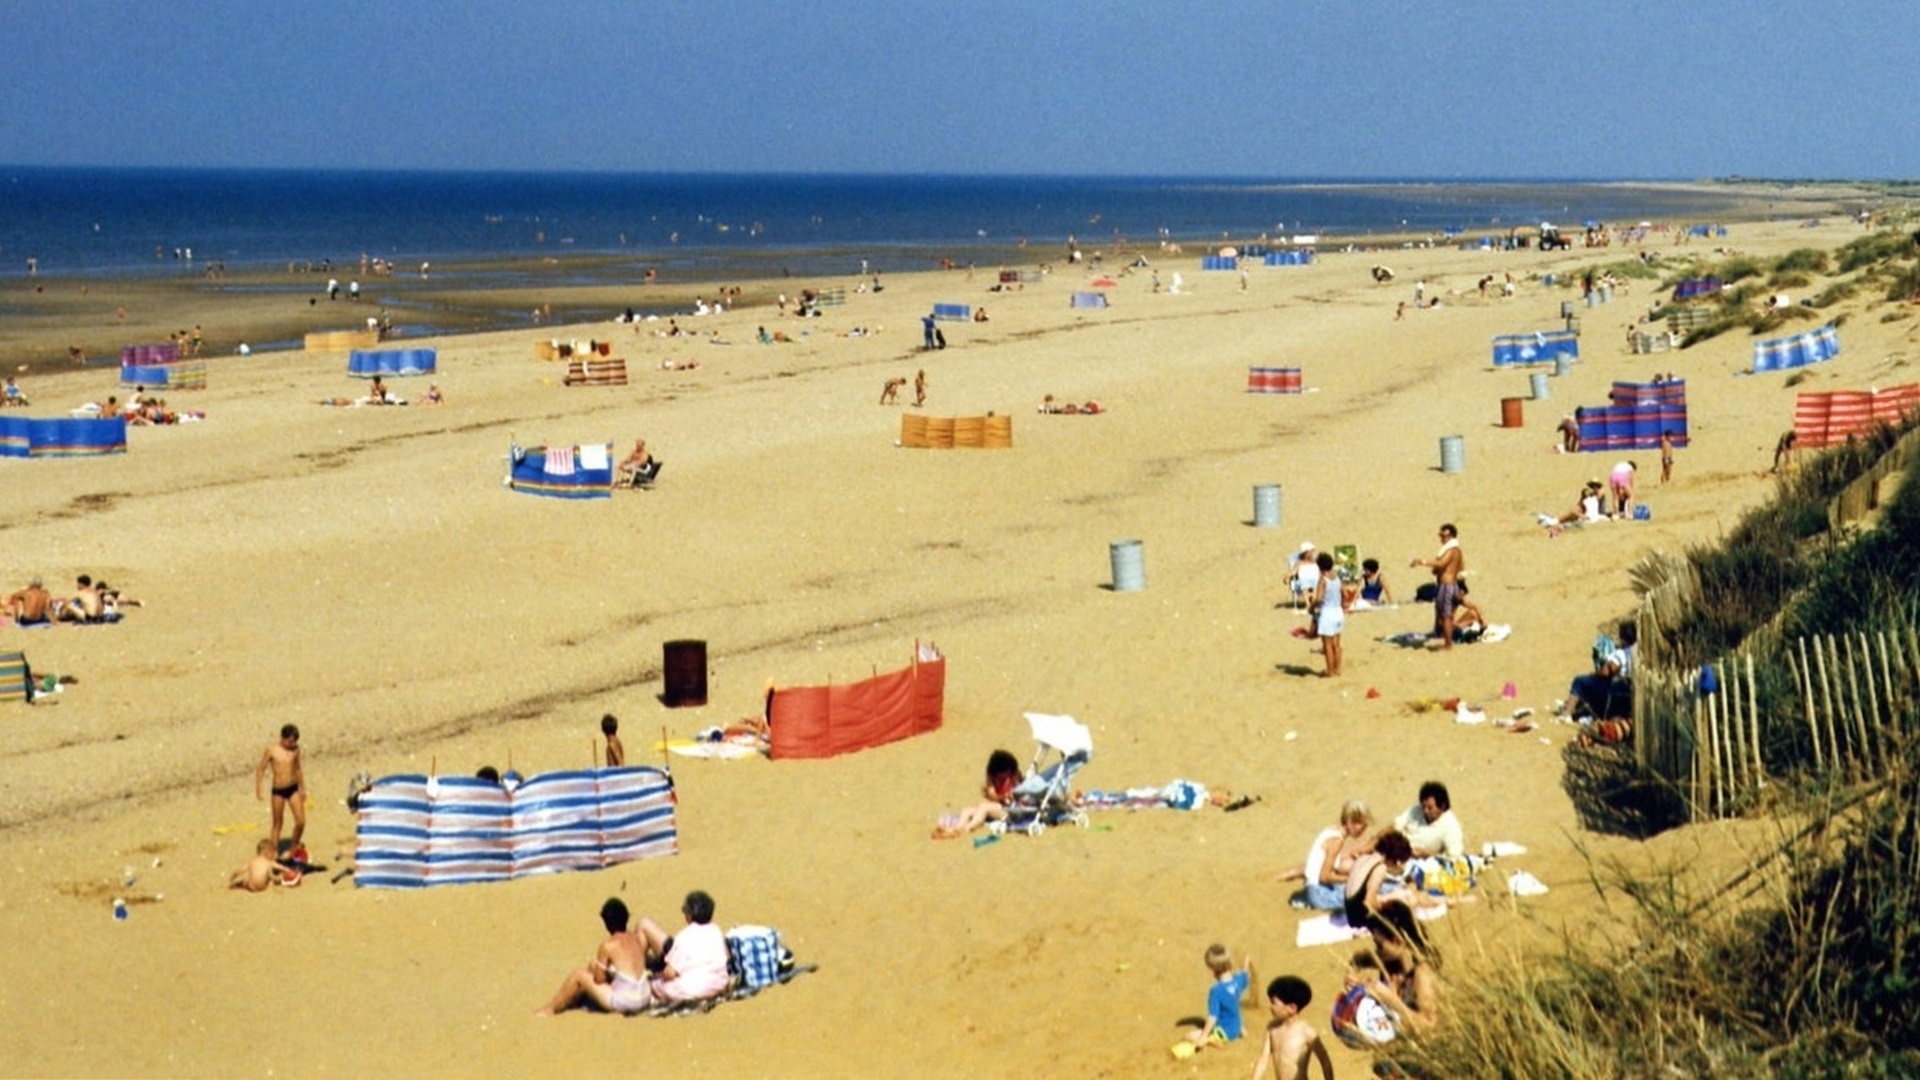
(1374, 880)
(1332, 857)
(1003, 775)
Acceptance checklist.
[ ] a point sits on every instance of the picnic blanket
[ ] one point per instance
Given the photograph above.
(742, 986)
(1418, 639)
(1175, 795)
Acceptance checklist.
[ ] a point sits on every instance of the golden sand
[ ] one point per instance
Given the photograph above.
(363, 573)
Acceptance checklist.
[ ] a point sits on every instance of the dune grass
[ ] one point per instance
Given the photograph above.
(1803, 964)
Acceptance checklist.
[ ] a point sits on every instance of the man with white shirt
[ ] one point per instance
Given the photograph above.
(1430, 825)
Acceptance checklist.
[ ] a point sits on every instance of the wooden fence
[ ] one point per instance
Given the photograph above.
(1858, 691)
(1858, 695)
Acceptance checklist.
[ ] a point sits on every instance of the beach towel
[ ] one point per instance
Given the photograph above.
(1328, 929)
(1174, 795)
(724, 751)
(596, 456)
(559, 461)
(737, 991)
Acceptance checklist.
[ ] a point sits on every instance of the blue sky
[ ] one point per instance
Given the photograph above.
(1378, 88)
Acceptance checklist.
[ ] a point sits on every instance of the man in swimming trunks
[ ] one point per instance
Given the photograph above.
(289, 783)
(616, 978)
(85, 605)
(31, 606)
(1447, 566)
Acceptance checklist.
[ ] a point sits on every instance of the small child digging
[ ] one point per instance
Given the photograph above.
(263, 871)
(1223, 1003)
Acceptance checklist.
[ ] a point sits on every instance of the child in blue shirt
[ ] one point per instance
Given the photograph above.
(1223, 1002)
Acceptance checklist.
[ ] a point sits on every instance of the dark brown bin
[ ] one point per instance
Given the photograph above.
(685, 669)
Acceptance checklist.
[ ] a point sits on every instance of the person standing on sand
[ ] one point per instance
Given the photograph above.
(1447, 566)
(1570, 433)
(920, 388)
(1620, 483)
(289, 783)
(616, 753)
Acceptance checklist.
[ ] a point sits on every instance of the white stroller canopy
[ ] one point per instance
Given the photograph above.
(1062, 733)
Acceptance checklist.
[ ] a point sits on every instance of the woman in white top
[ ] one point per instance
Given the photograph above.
(1331, 856)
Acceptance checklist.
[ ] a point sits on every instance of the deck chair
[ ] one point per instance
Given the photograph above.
(16, 678)
(640, 477)
(1346, 563)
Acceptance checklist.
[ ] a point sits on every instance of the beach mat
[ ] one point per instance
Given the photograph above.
(736, 992)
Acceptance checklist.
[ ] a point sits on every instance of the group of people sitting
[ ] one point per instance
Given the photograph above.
(1050, 407)
(636, 969)
(1349, 868)
(1373, 881)
(1357, 591)
(142, 410)
(1597, 501)
(91, 602)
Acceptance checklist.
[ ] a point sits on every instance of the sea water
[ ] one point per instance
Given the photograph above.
(131, 221)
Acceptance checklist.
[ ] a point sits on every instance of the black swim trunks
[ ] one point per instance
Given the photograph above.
(286, 792)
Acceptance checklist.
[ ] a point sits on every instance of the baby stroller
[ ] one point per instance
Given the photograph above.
(1045, 797)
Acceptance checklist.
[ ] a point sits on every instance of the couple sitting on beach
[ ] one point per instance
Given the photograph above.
(635, 970)
(1348, 870)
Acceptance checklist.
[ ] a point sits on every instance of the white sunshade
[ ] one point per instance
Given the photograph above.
(1062, 733)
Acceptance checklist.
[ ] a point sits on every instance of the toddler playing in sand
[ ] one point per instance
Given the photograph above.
(263, 871)
(1222, 1025)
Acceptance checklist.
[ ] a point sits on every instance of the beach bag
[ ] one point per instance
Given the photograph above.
(756, 956)
(1439, 877)
(1360, 1020)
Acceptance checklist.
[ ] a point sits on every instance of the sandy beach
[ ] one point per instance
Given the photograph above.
(363, 573)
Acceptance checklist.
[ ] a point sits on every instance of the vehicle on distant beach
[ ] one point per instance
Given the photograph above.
(1551, 240)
